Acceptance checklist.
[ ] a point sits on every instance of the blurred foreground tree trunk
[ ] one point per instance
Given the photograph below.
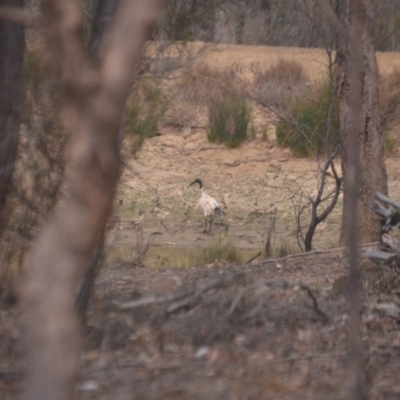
(12, 47)
(372, 172)
(103, 12)
(94, 91)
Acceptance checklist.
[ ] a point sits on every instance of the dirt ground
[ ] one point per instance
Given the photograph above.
(251, 182)
(269, 329)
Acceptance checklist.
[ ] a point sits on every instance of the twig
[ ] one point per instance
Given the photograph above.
(315, 303)
(146, 301)
(256, 285)
(201, 290)
(255, 312)
(242, 292)
(308, 357)
(253, 258)
(172, 297)
(313, 253)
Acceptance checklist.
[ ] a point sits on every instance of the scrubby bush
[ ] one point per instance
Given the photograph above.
(223, 94)
(280, 84)
(202, 83)
(197, 84)
(144, 112)
(229, 117)
(305, 130)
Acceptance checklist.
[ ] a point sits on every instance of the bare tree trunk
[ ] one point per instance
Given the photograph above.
(104, 11)
(360, 126)
(94, 96)
(12, 47)
(354, 120)
(372, 176)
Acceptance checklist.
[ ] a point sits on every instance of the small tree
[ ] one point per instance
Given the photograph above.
(310, 127)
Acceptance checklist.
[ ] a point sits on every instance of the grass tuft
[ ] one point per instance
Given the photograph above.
(229, 118)
(223, 94)
(220, 250)
(144, 112)
(280, 249)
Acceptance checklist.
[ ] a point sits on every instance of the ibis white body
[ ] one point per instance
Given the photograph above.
(208, 204)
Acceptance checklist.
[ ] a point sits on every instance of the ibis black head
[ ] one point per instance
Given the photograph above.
(391, 222)
(199, 181)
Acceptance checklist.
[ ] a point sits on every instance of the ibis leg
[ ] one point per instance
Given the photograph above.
(205, 225)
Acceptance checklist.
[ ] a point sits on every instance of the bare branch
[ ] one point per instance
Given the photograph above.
(331, 16)
(315, 303)
(119, 59)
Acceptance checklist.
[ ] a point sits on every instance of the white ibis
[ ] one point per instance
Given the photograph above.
(208, 204)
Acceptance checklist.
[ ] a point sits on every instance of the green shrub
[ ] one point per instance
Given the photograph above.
(144, 113)
(305, 130)
(229, 117)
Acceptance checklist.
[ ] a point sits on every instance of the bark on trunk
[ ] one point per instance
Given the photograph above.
(355, 101)
(372, 175)
(103, 14)
(12, 46)
(94, 95)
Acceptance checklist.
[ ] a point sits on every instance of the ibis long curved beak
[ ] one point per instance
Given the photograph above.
(199, 181)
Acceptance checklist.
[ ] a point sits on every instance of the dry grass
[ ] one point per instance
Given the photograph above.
(223, 94)
(279, 84)
(202, 83)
